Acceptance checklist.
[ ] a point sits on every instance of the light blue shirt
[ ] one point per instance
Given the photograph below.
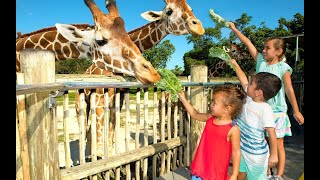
(277, 103)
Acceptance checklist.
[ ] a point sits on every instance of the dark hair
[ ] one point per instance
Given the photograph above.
(234, 97)
(279, 43)
(270, 84)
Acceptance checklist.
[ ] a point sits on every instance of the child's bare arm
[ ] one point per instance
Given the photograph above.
(273, 158)
(292, 98)
(236, 154)
(246, 41)
(191, 110)
(240, 74)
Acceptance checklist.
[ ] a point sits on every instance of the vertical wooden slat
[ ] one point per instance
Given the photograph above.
(106, 128)
(23, 128)
(82, 128)
(163, 111)
(175, 134)
(181, 134)
(66, 129)
(155, 115)
(137, 130)
(127, 139)
(145, 134)
(188, 127)
(117, 130)
(93, 128)
(93, 125)
(169, 131)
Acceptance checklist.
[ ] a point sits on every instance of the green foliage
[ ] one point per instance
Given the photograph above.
(177, 70)
(159, 54)
(169, 83)
(72, 66)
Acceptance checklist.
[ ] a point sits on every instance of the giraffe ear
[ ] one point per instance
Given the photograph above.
(74, 34)
(152, 15)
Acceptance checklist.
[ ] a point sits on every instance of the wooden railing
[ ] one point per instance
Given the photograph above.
(165, 144)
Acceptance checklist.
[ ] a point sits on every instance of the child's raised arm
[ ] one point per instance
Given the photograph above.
(246, 41)
(191, 110)
(240, 74)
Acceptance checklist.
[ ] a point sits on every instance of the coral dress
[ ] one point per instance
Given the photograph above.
(213, 154)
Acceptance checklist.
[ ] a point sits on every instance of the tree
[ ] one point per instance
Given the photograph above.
(257, 35)
(72, 66)
(160, 54)
(177, 70)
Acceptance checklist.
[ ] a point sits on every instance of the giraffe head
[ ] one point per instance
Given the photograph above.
(178, 17)
(234, 51)
(110, 46)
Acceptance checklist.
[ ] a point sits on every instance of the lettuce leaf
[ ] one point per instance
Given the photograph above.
(169, 83)
(221, 54)
(218, 19)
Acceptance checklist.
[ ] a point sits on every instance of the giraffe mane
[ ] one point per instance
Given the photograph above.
(80, 26)
(142, 27)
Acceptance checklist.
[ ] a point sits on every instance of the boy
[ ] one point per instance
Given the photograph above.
(256, 118)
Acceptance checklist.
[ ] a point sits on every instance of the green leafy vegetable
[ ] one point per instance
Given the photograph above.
(169, 83)
(218, 19)
(220, 53)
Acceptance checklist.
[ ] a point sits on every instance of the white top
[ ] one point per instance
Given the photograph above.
(252, 122)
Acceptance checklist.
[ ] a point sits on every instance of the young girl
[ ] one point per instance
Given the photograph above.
(220, 139)
(272, 60)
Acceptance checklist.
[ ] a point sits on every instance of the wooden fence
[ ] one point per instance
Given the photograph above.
(144, 147)
(164, 145)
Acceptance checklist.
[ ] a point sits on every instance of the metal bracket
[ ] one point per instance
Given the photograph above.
(52, 98)
(205, 90)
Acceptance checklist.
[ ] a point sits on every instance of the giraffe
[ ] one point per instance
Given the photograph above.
(106, 43)
(234, 52)
(176, 18)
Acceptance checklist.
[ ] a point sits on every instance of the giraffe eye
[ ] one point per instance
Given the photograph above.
(145, 66)
(102, 42)
(169, 12)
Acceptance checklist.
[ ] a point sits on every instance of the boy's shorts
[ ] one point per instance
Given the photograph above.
(195, 178)
(256, 172)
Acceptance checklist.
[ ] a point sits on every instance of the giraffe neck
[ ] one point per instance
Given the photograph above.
(149, 35)
(216, 70)
(54, 41)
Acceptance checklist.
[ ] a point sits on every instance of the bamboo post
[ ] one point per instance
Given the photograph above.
(199, 73)
(38, 66)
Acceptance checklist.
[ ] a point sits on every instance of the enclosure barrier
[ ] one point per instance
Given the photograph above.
(158, 142)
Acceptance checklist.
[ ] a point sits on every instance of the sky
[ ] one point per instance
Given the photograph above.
(32, 15)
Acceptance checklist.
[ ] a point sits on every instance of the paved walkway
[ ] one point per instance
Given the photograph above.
(294, 170)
